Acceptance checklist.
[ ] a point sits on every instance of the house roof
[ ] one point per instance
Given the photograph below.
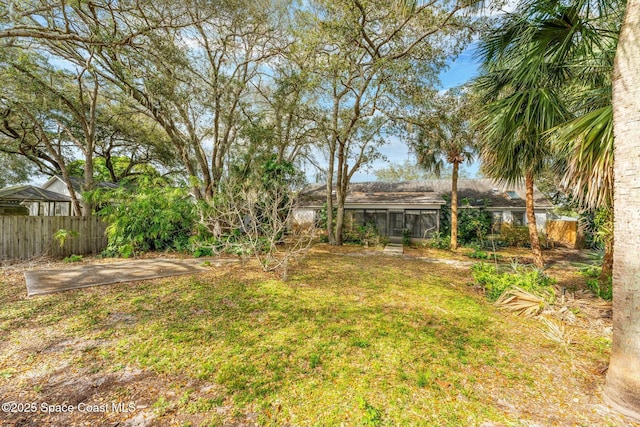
(78, 183)
(30, 193)
(471, 192)
(377, 193)
(490, 193)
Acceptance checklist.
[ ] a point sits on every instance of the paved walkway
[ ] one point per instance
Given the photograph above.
(393, 249)
(41, 282)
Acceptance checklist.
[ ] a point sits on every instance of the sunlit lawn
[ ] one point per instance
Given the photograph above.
(359, 340)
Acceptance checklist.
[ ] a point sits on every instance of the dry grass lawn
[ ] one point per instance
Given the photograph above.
(353, 338)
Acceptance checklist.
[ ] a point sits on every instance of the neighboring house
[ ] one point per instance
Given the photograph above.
(391, 207)
(57, 184)
(416, 206)
(31, 200)
(505, 202)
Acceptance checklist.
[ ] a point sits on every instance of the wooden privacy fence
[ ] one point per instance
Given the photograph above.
(26, 237)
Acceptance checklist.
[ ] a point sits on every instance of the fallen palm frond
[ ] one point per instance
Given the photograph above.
(556, 331)
(522, 302)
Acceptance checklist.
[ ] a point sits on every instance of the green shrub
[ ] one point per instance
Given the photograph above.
(63, 235)
(473, 225)
(439, 241)
(496, 283)
(148, 219)
(362, 235)
(479, 254)
(512, 235)
(73, 258)
(601, 289)
(406, 237)
(592, 271)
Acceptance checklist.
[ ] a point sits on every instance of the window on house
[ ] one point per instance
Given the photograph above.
(513, 195)
(496, 221)
(518, 219)
(317, 218)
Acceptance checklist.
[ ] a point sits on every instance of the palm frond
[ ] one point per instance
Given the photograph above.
(587, 143)
(522, 302)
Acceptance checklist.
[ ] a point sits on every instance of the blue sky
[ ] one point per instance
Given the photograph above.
(460, 70)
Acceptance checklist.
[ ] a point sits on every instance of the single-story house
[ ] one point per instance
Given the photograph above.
(505, 202)
(31, 200)
(57, 185)
(392, 207)
(416, 205)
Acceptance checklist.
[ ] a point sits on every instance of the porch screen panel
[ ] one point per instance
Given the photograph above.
(428, 223)
(412, 223)
(358, 217)
(377, 218)
(381, 222)
(396, 223)
(348, 219)
(421, 223)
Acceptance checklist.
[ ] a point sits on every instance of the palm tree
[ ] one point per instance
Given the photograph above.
(568, 49)
(520, 102)
(513, 147)
(623, 379)
(447, 136)
(585, 36)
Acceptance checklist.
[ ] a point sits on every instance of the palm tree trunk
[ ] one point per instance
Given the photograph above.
(454, 206)
(531, 220)
(622, 390)
(607, 262)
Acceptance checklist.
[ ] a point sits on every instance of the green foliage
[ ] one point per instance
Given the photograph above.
(496, 283)
(399, 172)
(439, 241)
(322, 216)
(149, 219)
(73, 258)
(63, 235)
(479, 254)
(366, 235)
(517, 236)
(598, 226)
(601, 289)
(406, 237)
(372, 415)
(473, 225)
(125, 171)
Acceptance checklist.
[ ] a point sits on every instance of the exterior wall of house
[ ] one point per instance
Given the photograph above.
(48, 208)
(304, 217)
(509, 216)
(57, 186)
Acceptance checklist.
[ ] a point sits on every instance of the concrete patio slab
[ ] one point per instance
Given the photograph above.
(41, 282)
(393, 249)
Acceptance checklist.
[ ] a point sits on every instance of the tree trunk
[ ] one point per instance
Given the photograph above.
(531, 220)
(76, 209)
(340, 219)
(330, 235)
(607, 262)
(87, 207)
(622, 390)
(454, 206)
